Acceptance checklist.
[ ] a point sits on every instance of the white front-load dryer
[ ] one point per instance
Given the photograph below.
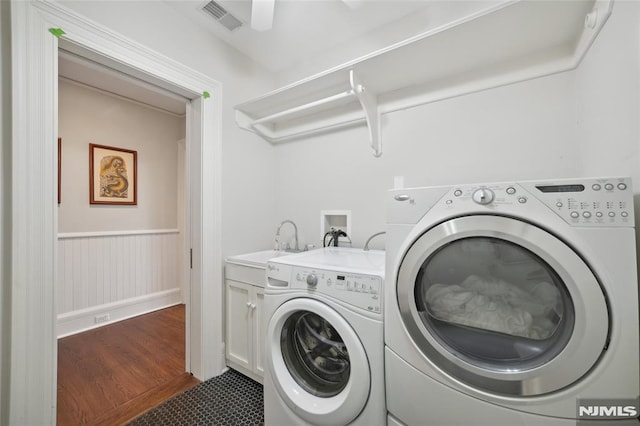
(324, 338)
(512, 303)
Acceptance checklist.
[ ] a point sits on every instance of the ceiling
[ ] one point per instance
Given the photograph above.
(302, 30)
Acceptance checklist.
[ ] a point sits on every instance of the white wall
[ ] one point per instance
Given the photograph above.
(87, 115)
(580, 123)
(607, 97)
(248, 211)
(522, 131)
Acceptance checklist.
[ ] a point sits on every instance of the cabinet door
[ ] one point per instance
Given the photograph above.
(259, 331)
(239, 323)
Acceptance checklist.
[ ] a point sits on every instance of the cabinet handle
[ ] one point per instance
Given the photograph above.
(248, 304)
(253, 306)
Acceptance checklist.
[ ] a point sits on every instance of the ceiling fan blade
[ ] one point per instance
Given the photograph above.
(262, 14)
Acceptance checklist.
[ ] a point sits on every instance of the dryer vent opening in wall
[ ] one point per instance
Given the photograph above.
(221, 15)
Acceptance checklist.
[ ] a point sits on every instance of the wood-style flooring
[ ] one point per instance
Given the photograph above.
(109, 375)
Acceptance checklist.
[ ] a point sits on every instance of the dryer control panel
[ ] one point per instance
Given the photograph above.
(579, 202)
(593, 202)
(360, 290)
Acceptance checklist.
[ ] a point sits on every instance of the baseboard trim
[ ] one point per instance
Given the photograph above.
(85, 319)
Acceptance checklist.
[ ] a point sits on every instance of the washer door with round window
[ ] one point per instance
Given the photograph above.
(319, 366)
(502, 305)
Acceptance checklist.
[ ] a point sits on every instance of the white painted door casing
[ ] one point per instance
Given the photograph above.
(33, 354)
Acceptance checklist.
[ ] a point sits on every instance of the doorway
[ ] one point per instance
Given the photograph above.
(116, 260)
(117, 263)
(32, 384)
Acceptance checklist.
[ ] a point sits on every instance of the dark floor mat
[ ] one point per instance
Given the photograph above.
(229, 399)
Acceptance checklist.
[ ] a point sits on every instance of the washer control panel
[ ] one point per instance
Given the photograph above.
(583, 202)
(363, 291)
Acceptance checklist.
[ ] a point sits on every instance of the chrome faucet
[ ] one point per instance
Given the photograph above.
(295, 229)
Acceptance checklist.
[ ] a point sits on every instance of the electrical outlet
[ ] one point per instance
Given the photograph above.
(101, 318)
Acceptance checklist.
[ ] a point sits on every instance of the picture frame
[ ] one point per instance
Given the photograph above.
(113, 175)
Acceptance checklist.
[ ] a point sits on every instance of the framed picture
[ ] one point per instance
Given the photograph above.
(113, 175)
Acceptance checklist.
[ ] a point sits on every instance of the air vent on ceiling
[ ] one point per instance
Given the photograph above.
(221, 15)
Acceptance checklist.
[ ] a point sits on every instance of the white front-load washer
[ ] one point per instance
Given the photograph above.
(512, 303)
(324, 338)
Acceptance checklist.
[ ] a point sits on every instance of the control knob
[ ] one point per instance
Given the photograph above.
(483, 196)
(312, 280)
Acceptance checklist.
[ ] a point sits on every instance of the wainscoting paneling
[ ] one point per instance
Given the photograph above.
(108, 276)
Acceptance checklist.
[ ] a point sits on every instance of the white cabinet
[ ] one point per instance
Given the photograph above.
(244, 287)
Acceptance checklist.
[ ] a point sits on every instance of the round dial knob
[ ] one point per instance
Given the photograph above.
(312, 280)
(483, 196)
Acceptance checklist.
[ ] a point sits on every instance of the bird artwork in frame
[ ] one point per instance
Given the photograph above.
(113, 175)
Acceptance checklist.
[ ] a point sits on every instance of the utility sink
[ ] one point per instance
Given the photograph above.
(257, 259)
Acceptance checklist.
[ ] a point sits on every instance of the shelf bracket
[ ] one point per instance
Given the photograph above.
(369, 103)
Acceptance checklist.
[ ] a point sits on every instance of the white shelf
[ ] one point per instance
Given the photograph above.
(509, 42)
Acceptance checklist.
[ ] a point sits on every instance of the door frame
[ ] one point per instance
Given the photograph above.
(33, 349)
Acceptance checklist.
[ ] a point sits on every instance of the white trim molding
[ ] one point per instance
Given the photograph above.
(97, 316)
(33, 349)
(32, 390)
(69, 235)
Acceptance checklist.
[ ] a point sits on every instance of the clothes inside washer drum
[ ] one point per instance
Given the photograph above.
(321, 349)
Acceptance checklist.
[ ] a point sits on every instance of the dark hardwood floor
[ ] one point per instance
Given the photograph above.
(109, 375)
